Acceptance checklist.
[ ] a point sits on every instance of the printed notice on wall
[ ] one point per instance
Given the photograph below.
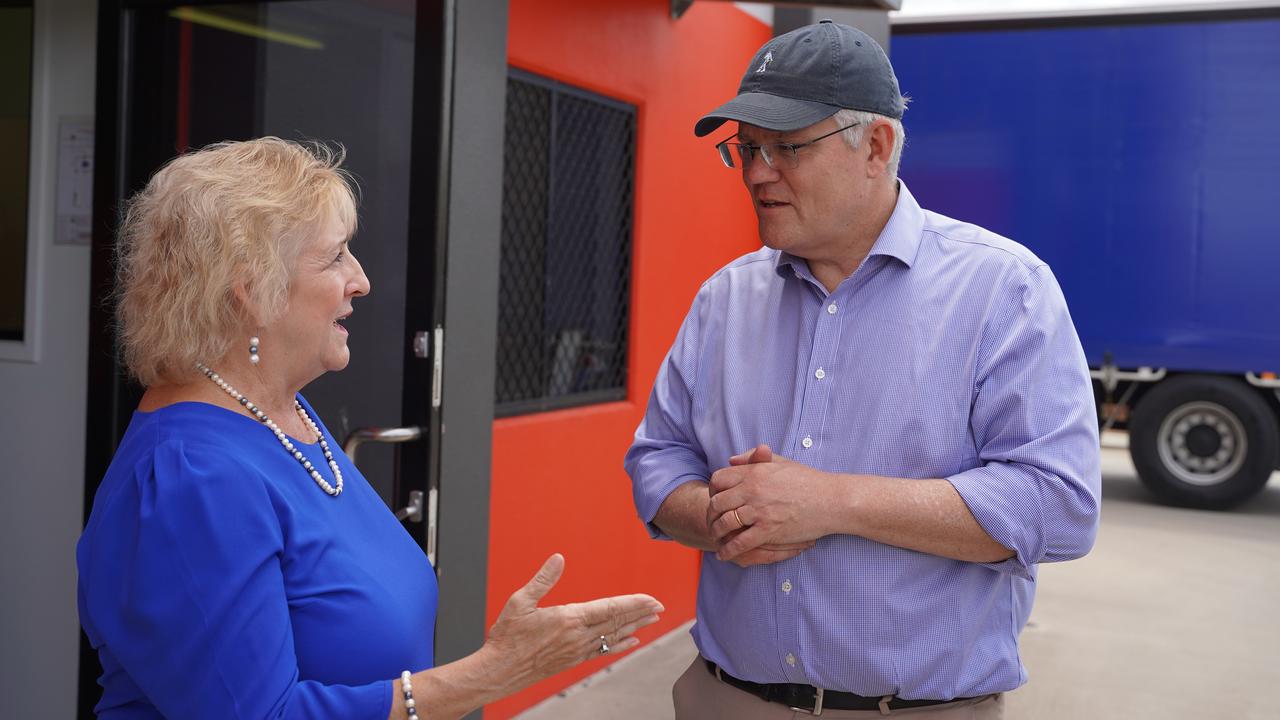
(75, 182)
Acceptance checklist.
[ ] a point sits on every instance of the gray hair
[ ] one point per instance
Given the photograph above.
(853, 135)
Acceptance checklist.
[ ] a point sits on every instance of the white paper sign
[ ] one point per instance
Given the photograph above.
(75, 182)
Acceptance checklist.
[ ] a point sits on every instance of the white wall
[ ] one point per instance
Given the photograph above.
(43, 408)
(872, 21)
(760, 11)
(957, 8)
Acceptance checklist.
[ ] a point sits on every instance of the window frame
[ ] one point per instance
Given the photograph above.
(541, 404)
(42, 140)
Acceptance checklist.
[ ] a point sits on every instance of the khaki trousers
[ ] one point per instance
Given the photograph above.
(698, 695)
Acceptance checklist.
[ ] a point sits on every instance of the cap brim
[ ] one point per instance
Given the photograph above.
(770, 112)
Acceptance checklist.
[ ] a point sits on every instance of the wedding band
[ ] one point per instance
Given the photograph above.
(604, 646)
(738, 517)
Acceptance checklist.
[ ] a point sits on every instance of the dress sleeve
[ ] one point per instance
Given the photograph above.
(665, 453)
(1038, 489)
(193, 604)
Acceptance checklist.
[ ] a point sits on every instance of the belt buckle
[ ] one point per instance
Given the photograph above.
(817, 703)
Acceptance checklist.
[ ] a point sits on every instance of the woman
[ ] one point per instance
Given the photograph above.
(236, 564)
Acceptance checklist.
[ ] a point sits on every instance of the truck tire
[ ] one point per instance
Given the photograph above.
(1203, 441)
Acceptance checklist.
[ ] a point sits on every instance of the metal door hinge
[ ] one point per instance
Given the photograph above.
(437, 367)
(433, 509)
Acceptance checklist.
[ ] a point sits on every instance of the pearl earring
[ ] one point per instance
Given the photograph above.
(253, 350)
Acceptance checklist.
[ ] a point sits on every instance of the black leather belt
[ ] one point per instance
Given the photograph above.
(814, 700)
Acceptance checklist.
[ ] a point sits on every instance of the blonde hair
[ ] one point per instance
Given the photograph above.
(230, 216)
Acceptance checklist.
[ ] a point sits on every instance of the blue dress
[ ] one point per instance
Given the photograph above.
(217, 580)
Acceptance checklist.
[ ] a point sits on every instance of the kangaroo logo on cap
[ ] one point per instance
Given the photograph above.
(768, 58)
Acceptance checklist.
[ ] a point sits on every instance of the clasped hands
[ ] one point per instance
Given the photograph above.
(765, 508)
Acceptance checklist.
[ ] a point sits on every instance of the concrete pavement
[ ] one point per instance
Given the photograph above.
(1174, 615)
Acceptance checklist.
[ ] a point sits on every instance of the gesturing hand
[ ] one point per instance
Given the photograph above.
(766, 508)
(530, 643)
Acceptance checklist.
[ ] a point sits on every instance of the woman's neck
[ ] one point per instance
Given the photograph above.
(268, 388)
(271, 392)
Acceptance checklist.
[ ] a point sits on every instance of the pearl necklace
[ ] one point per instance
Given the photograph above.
(284, 439)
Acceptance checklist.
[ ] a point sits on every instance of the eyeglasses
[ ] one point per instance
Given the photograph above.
(773, 153)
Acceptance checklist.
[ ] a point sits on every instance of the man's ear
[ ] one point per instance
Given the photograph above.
(880, 139)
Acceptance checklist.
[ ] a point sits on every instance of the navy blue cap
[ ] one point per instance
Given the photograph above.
(806, 76)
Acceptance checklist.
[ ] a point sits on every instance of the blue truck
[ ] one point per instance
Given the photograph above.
(1139, 155)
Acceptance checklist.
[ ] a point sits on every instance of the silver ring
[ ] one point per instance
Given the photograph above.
(604, 646)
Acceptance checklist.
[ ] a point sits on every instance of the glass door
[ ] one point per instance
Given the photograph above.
(174, 77)
(329, 70)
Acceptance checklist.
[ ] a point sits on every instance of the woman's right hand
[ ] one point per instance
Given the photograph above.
(529, 643)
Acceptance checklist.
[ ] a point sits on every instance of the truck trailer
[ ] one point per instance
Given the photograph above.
(1138, 154)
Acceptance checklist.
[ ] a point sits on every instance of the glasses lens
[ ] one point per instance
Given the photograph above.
(782, 153)
(745, 152)
(726, 156)
(769, 153)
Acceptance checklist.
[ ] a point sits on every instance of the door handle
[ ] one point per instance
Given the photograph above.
(361, 436)
(412, 512)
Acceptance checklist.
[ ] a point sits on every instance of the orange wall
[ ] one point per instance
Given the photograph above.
(558, 483)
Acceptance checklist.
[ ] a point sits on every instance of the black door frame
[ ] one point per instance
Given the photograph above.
(460, 66)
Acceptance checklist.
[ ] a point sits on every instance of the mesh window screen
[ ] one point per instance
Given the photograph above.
(566, 247)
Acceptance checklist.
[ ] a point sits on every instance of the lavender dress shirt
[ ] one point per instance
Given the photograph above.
(949, 353)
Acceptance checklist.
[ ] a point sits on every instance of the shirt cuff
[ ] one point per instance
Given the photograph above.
(992, 506)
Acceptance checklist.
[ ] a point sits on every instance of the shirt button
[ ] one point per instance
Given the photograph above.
(807, 442)
(820, 373)
(786, 586)
(791, 660)
(831, 309)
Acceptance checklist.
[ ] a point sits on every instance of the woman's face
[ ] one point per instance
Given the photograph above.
(310, 333)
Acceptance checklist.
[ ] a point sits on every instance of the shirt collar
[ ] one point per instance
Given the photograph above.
(899, 239)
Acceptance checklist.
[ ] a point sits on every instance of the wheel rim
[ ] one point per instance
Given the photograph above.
(1202, 443)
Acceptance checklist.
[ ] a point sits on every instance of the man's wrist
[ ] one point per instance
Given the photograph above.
(683, 515)
(845, 498)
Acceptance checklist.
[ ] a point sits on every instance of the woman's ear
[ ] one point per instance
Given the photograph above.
(249, 309)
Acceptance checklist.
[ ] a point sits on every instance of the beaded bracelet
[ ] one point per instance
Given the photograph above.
(406, 685)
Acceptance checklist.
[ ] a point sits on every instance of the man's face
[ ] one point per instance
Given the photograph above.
(808, 210)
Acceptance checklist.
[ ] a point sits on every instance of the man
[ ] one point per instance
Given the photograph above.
(924, 382)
